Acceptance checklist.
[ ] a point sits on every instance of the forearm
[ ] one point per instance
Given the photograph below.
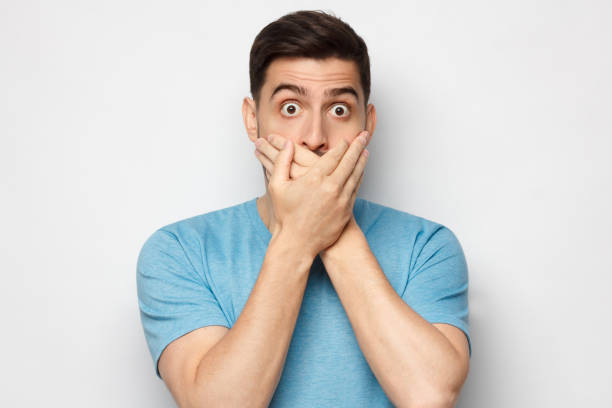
(244, 367)
(412, 360)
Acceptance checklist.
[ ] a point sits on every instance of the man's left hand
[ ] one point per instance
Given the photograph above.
(267, 150)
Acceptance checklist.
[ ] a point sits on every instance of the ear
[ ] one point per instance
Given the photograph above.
(249, 116)
(370, 121)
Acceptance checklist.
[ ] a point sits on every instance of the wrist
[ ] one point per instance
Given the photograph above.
(285, 243)
(351, 237)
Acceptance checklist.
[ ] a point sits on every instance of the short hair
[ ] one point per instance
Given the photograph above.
(309, 34)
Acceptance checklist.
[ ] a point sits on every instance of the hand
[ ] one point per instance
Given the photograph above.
(314, 208)
(268, 150)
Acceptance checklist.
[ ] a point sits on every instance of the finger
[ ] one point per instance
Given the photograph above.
(266, 148)
(282, 164)
(354, 193)
(329, 161)
(303, 156)
(296, 171)
(349, 160)
(267, 163)
(352, 184)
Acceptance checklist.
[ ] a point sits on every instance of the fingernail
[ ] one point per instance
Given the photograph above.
(366, 153)
(258, 142)
(362, 139)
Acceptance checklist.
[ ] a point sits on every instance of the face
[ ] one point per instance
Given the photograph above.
(314, 103)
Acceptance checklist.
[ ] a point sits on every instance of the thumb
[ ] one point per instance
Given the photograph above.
(282, 165)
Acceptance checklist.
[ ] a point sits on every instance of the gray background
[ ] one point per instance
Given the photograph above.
(119, 117)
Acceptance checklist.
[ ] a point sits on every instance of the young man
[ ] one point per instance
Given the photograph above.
(307, 296)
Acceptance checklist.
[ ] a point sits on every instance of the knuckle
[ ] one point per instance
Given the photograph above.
(273, 187)
(312, 179)
(345, 168)
(276, 159)
(345, 199)
(331, 188)
(345, 217)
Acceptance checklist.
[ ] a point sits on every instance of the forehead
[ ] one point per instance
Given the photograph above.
(313, 74)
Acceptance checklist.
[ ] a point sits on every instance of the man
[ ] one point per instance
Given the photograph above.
(307, 296)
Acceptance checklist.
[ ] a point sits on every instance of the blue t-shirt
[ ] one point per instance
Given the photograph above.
(200, 271)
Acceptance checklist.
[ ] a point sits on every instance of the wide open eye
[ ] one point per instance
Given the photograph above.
(340, 110)
(290, 109)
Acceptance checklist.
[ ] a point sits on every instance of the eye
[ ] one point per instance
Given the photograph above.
(340, 110)
(290, 109)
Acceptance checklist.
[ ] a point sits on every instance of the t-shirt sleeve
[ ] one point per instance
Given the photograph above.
(437, 286)
(174, 297)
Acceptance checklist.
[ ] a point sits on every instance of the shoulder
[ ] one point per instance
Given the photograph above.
(194, 228)
(375, 217)
(211, 221)
(399, 228)
(189, 237)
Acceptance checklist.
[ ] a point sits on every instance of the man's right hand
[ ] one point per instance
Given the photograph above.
(314, 209)
(269, 148)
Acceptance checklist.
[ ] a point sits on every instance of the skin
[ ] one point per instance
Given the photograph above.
(241, 366)
(311, 186)
(315, 126)
(388, 323)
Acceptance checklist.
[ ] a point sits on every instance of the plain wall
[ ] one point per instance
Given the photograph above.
(119, 117)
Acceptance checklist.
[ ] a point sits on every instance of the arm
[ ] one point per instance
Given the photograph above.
(414, 362)
(423, 363)
(243, 368)
(309, 214)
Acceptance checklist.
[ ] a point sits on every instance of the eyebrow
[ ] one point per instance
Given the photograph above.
(304, 92)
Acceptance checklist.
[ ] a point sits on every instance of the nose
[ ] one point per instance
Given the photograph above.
(315, 136)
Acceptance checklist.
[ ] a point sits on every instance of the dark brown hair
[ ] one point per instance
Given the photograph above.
(309, 34)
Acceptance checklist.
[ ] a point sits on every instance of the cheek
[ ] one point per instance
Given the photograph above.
(348, 131)
(289, 129)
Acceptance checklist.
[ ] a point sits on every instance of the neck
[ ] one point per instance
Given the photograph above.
(264, 207)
